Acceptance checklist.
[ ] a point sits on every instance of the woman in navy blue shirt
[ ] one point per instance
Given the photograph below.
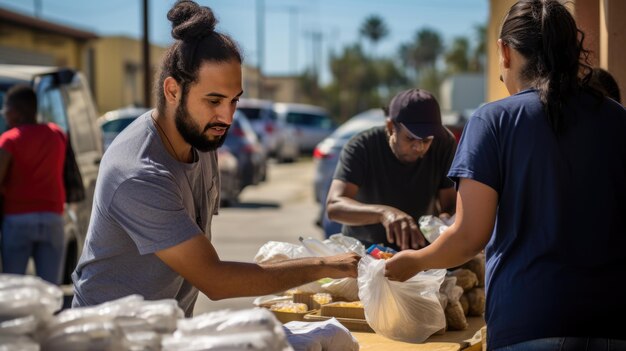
(541, 179)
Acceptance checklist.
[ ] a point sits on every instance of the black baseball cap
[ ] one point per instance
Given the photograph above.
(418, 111)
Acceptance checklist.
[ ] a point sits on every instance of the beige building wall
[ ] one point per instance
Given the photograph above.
(28, 40)
(282, 89)
(119, 74)
(63, 50)
(605, 35)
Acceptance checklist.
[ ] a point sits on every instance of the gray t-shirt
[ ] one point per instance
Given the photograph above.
(145, 201)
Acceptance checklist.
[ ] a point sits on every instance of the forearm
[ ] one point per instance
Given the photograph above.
(236, 279)
(451, 249)
(352, 212)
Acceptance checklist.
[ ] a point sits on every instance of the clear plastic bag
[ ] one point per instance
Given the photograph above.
(314, 336)
(122, 324)
(433, 226)
(250, 329)
(407, 311)
(274, 251)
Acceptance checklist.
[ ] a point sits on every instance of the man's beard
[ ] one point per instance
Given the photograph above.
(192, 133)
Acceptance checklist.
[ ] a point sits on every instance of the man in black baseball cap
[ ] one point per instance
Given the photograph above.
(387, 177)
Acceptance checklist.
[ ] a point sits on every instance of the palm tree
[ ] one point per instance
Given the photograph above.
(374, 29)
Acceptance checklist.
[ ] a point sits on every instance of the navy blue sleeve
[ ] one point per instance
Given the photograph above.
(448, 156)
(477, 156)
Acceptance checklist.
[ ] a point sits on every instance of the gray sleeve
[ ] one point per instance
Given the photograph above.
(151, 211)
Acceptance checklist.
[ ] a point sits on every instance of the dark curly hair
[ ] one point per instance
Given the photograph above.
(545, 33)
(196, 41)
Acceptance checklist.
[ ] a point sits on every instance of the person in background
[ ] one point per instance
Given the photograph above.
(602, 80)
(540, 178)
(387, 177)
(158, 188)
(31, 173)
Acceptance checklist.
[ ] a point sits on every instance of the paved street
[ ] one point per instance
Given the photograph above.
(281, 209)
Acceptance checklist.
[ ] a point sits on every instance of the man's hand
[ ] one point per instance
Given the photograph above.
(342, 266)
(402, 229)
(401, 266)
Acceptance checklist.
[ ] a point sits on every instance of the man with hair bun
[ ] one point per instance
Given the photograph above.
(158, 188)
(541, 186)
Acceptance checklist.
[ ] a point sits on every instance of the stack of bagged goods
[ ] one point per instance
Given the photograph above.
(468, 299)
(129, 323)
(26, 304)
(250, 329)
(463, 293)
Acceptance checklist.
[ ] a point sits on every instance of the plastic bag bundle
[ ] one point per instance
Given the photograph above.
(407, 311)
(17, 343)
(347, 288)
(257, 341)
(250, 329)
(129, 323)
(26, 302)
(314, 336)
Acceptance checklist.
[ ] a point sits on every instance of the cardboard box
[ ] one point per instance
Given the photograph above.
(356, 325)
(286, 317)
(336, 310)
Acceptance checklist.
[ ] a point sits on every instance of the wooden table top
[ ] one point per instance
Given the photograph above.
(448, 341)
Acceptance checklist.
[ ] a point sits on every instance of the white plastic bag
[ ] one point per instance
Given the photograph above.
(407, 311)
(249, 329)
(433, 226)
(318, 336)
(274, 251)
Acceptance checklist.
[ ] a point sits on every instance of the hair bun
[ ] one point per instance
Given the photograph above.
(190, 20)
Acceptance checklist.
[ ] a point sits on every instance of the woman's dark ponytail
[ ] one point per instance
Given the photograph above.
(545, 33)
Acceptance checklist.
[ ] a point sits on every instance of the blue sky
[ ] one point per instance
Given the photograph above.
(338, 21)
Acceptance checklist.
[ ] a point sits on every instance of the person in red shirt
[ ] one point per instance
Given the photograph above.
(31, 175)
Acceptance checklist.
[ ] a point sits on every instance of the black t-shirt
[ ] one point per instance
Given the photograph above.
(368, 162)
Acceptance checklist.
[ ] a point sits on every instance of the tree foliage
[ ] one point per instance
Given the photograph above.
(361, 81)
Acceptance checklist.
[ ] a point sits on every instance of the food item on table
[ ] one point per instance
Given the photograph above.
(476, 300)
(322, 298)
(455, 318)
(385, 255)
(380, 252)
(291, 307)
(353, 304)
(465, 278)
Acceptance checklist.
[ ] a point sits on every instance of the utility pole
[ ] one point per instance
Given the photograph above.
(147, 72)
(260, 43)
(293, 40)
(37, 8)
(316, 52)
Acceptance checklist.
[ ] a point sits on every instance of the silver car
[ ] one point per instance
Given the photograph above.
(326, 157)
(312, 123)
(113, 122)
(278, 138)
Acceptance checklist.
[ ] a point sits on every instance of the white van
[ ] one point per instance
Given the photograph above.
(64, 99)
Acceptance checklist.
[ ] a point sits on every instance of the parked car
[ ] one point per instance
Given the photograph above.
(312, 123)
(326, 157)
(251, 155)
(64, 99)
(278, 138)
(113, 122)
(229, 176)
